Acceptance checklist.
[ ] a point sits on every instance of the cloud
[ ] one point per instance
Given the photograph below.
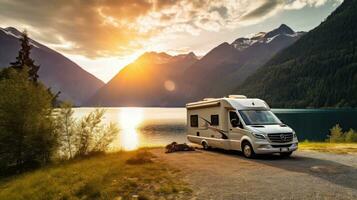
(265, 9)
(92, 27)
(100, 28)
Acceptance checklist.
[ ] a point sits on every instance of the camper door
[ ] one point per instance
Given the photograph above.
(236, 130)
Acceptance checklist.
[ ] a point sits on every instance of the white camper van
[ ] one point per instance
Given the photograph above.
(239, 123)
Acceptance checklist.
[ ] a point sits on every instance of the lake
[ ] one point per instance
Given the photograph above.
(145, 127)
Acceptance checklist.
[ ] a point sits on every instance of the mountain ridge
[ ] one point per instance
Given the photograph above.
(189, 78)
(214, 74)
(144, 82)
(319, 70)
(56, 70)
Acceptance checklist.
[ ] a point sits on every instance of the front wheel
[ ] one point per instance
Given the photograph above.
(248, 151)
(205, 145)
(286, 154)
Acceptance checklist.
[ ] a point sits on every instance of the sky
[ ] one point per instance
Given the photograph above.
(103, 36)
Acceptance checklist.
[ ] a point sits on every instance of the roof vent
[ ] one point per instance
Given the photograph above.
(237, 96)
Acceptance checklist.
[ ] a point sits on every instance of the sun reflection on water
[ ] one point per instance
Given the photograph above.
(130, 119)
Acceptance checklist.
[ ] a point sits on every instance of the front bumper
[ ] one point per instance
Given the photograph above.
(269, 148)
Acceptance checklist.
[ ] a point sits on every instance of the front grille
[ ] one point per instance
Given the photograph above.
(280, 137)
(281, 145)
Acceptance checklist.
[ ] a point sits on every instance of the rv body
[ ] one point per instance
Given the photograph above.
(239, 123)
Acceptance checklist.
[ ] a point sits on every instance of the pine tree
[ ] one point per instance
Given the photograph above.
(24, 59)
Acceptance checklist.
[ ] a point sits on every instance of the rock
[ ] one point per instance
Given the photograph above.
(178, 147)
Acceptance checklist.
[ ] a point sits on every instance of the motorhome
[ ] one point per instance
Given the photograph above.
(239, 123)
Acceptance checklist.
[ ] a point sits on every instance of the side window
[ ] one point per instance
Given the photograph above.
(214, 120)
(233, 118)
(194, 120)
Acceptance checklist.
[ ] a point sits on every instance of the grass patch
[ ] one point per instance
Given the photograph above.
(141, 157)
(339, 148)
(99, 177)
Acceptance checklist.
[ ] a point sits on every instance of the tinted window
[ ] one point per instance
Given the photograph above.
(214, 120)
(233, 115)
(194, 120)
(259, 117)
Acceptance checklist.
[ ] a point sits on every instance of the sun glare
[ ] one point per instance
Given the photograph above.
(130, 119)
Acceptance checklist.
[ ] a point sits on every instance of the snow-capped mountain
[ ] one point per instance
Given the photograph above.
(228, 65)
(56, 71)
(263, 37)
(158, 79)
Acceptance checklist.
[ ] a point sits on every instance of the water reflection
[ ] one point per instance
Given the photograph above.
(143, 127)
(130, 120)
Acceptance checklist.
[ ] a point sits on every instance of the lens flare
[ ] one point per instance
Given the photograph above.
(169, 85)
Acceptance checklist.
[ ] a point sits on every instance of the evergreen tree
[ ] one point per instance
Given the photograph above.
(24, 59)
(319, 70)
(27, 128)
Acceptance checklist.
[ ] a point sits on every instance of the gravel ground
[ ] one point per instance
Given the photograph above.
(227, 175)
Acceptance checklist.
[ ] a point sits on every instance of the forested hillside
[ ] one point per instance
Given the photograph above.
(319, 70)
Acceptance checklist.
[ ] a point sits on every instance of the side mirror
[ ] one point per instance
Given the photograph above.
(235, 122)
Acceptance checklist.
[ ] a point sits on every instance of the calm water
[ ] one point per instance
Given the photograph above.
(141, 127)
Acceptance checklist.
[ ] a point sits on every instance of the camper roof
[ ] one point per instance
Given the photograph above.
(238, 102)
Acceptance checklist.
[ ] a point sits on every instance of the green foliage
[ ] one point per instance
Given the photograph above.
(65, 128)
(351, 136)
(319, 70)
(85, 136)
(338, 136)
(27, 136)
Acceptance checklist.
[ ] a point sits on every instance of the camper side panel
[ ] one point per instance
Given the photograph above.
(207, 124)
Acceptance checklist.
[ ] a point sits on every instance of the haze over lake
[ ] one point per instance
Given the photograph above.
(144, 127)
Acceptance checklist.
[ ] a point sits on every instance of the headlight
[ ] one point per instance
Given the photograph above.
(259, 136)
(294, 134)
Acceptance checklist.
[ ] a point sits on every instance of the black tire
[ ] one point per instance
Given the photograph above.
(286, 154)
(205, 145)
(248, 150)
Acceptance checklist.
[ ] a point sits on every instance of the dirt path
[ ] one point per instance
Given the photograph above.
(228, 175)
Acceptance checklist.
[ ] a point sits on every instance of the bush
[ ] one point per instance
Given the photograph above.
(27, 136)
(337, 135)
(351, 136)
(83, 137)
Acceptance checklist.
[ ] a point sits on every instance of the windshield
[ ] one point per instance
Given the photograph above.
(259, 117)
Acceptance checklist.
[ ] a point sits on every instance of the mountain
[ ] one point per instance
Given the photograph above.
(56, 71)
(228, 65)
(319, 70)
(151, 80)
(159, 79)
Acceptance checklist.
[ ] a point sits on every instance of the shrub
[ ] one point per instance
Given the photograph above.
(65, 127)
(337, 135)
(85, 136)
(351, 136)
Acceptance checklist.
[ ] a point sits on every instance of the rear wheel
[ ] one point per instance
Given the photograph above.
(205, 145)
(286, 154)
(248, 151)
